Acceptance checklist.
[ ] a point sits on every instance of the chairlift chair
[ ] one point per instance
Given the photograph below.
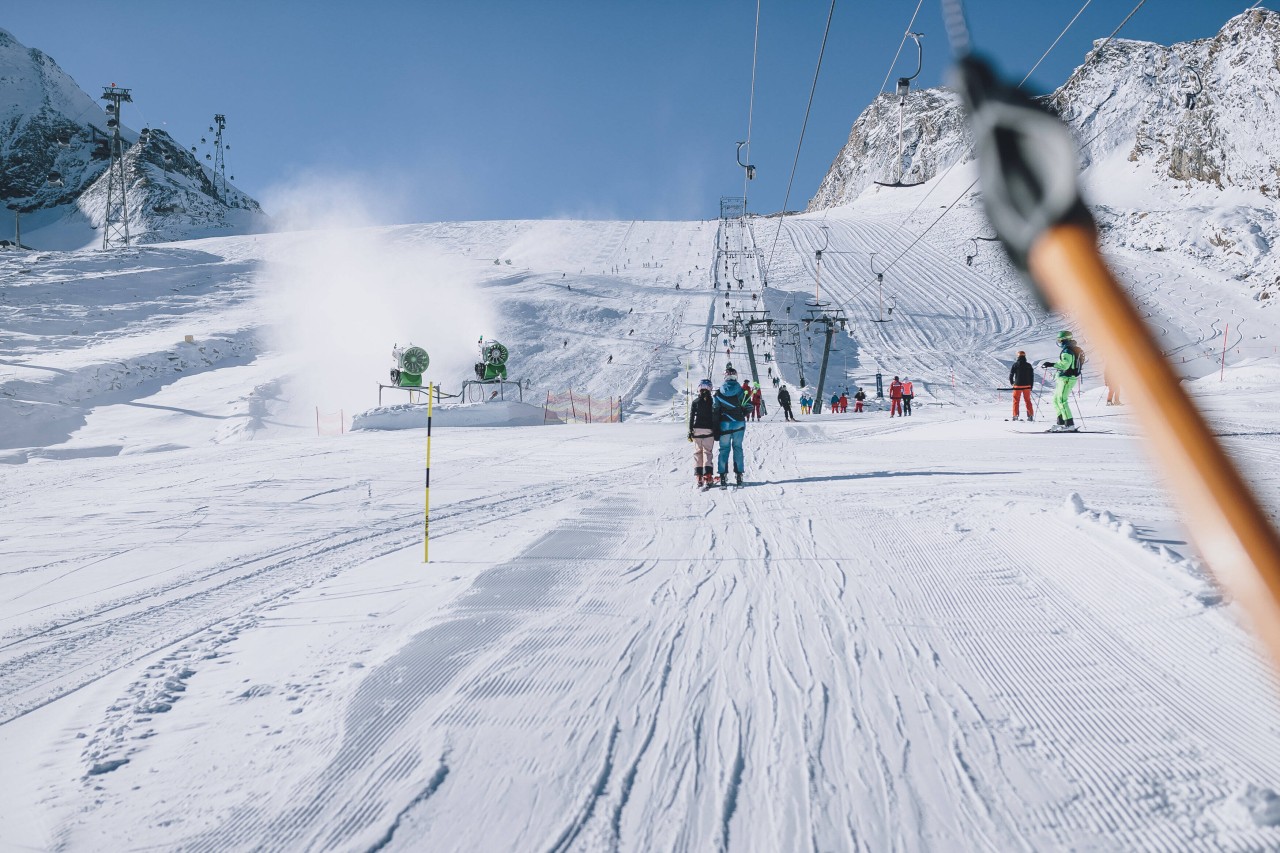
(751, 170)
(903, 89)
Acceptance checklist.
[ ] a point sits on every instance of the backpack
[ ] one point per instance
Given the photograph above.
(1078, 370)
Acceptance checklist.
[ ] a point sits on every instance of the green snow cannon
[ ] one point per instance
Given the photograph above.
(411, 363)
(493, 361)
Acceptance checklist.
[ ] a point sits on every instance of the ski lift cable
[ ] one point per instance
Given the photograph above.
(908, 33)
(1092, 56)
(943, 179)
(1055, 44)
(803, 126)
(751, 103)
(901, 44)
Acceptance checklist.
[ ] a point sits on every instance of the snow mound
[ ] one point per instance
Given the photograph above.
(414, 416)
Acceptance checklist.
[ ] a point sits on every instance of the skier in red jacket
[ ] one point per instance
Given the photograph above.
(895, 397)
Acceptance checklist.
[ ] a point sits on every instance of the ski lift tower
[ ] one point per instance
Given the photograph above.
(832, 319)
(219, 167)
(115, 226)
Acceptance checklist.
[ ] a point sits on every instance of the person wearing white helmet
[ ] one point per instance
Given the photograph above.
(703, 431)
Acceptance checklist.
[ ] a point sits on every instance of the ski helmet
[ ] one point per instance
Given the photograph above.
(730, 371)
(705, 385)
(1064, 335)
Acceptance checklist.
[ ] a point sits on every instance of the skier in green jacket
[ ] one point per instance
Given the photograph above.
(1069, 364)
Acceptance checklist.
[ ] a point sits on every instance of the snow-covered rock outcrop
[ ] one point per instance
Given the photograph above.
(934, 137)
(49, 125)
(1177, 144)
(1135, 96)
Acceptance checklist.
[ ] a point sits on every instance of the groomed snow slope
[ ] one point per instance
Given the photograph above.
(945, 632)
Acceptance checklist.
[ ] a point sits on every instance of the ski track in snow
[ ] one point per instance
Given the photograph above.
(895, 636)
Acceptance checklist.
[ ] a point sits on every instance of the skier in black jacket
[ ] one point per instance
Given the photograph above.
(784, 400)
(1022, 376)
(703, 432)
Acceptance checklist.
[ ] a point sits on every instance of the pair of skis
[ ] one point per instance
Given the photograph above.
(723, 484)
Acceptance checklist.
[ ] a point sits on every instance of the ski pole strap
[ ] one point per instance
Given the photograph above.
(1027, 160)
(1226, 522)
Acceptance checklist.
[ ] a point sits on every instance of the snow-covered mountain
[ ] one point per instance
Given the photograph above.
(934, 137)
(1176, 142)
(49, 125)
(1202, 111)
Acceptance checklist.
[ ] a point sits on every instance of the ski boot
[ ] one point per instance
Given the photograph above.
(1070, 426)
(724, 481)
(738, 474)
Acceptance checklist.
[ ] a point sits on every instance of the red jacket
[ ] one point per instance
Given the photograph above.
(895, 390)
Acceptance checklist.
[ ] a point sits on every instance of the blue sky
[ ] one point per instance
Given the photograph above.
(585, 108)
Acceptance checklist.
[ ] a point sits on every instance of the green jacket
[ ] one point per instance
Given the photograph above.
(1068, 363)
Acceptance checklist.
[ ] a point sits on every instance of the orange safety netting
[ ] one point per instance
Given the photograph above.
(331, 423)
(574, 408)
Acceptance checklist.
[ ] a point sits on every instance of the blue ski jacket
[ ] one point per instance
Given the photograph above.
(729, 407)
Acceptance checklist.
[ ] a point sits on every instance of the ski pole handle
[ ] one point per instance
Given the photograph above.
(1225, 520)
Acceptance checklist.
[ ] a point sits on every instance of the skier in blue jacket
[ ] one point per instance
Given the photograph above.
(730, 408)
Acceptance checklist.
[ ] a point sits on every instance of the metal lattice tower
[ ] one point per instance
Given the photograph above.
(115, 226)
(219, 167)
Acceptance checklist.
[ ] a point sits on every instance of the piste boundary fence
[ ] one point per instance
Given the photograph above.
(574, 408)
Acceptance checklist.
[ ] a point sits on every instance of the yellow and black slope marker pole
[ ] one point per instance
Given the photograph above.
(1028, 169)
(426, 496)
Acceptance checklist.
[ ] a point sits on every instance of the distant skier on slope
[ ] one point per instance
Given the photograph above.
(806, 402)
(757, 402)
(784, 400)
(1069, 364)
(703, 432)
(908, 394)
(895, 397)
(844, 402)
(858, 400)
(835, 404)
(731, 418)
(1022, 376)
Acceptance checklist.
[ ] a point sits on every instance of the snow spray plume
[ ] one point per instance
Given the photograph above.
(340, 294)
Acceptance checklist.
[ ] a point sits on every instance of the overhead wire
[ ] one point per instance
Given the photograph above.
(751, 103)
(892, 64)
(943, 178)
(901, 44)
(1094, 54)
(812, 89)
